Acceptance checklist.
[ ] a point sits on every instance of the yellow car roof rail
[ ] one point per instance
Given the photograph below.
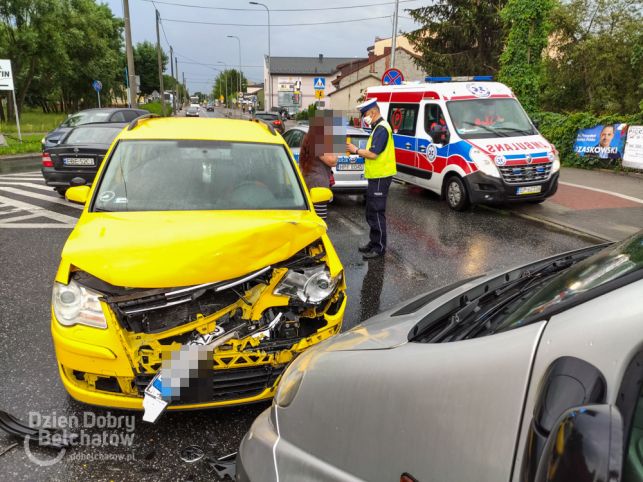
(135, 122)
(265, 126)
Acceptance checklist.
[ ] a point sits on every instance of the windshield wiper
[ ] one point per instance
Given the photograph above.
(486, 128)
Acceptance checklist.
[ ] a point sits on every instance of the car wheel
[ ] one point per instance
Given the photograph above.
(61, 190)
(456, 194)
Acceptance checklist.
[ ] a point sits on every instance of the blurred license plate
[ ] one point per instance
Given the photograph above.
(78, 161)
(350, 167)
(529, 190)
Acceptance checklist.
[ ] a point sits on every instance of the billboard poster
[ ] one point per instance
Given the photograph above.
(633, 156)
(603, 141)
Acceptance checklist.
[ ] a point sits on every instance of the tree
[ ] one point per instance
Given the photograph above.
(595, 60)
(458, 37)
(146, 64)
(227, 84)
(527, 22)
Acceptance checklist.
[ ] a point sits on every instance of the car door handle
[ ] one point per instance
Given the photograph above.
(408, 145)
(422, 148)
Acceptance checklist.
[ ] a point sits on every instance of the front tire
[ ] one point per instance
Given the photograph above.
(456, 194)
(61, 190)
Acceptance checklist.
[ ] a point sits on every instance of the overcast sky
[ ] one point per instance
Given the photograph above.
(208, 44)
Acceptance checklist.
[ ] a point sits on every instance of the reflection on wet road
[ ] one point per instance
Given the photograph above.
(429, 246)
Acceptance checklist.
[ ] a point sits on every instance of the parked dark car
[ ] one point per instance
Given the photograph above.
(90, 116)
(78, 154)
(272, 119)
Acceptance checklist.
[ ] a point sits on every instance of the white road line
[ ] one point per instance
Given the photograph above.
(20, 218)
(622, 196)
(63, 218)
(15, 210)
(28, 173)
(36, 225)
(353, 229)
(42, 187)
(16, 179)
(42, 197)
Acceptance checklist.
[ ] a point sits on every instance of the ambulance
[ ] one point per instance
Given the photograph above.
(469, 140)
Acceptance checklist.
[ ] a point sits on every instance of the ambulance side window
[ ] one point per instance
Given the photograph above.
(433, 117)
(403, 118)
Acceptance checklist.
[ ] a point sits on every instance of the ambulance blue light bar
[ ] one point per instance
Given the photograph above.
(476, 78)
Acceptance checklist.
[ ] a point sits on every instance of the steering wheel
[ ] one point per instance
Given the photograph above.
(252, 194)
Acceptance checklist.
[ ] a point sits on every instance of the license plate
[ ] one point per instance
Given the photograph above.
(350, 167)
(78, 161)
(529, 190)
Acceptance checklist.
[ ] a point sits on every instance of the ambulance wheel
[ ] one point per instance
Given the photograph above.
(456, 194)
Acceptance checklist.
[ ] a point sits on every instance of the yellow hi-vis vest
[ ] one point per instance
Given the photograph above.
(384, 164)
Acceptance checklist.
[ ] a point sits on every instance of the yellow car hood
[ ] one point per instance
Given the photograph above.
(182, 248)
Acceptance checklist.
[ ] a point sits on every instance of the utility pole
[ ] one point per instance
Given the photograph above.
(160, 61)
(172, 74)
(179, 103)
(133, 88)
(394, 37)
(185, 88)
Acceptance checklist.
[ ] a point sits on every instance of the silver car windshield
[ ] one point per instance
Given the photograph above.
(489, 118)
(86, 118)
(93, 135)
(171, 175)
(602, 268)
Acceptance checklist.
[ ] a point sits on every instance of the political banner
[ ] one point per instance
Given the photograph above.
(603, 142)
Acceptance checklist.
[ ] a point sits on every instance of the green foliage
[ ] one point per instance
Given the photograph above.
(307, 114)
(147, 67)
(521, 62)
(561, 130)
(156, 108)
(30, 143)
(227, 85)
(596, 58)
(458, 37)
(31, 120)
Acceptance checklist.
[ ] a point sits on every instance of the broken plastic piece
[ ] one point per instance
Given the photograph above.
(192, 453)
(225, 466)
(17, 428)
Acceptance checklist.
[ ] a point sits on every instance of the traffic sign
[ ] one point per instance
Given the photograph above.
(97, 85)
(319, 83)
(392, 77)
(319, 94)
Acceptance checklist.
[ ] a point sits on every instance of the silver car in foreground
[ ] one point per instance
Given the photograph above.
(531, 375)
(349, 171)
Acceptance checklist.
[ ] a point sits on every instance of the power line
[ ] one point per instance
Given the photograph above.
(315, 9)
(276, 25)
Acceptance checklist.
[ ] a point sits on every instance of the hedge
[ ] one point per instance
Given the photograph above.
(562, 129)
(155, 108)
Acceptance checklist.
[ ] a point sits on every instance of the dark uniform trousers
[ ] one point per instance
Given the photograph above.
(376, 195)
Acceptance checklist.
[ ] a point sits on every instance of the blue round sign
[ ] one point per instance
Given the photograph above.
(97, 85)
(392, 77)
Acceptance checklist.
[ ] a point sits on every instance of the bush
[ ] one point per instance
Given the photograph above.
(155, 108)
(307, 114)
(562, 129)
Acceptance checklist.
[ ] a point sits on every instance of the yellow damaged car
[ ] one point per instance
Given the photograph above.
(197, 271)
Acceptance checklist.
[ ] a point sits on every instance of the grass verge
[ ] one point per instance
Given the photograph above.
(33, 121)
(30, 143)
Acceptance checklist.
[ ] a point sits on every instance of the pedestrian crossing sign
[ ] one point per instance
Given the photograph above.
(319, 83)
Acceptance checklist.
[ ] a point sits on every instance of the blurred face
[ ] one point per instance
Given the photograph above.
(330, 132)
(607, 134)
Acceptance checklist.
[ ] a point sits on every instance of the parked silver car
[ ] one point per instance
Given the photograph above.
(349, 171)
(531, 375)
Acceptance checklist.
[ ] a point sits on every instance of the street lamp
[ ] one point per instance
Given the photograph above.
(239, 91)
(269, 106)
(226, 80)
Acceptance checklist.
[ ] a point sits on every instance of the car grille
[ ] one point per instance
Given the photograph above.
(232, 384)
(525, 173)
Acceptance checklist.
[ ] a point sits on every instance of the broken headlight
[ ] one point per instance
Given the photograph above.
(310, 285)
(74, 304)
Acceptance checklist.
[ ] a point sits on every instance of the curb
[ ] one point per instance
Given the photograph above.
(558, 226)
(18, 157)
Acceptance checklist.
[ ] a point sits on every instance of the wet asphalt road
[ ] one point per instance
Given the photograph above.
(429, 246)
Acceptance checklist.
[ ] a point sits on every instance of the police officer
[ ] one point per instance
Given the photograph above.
(379, 156)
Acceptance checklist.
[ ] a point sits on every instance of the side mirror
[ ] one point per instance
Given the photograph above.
(586, 445)
(321, 195)
(439, 136)
(535, 123)
(78, 194)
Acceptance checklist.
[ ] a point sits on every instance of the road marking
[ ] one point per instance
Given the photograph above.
(41, 197)
(350, 225)
(21, 218)
(15, 210)
(42, 187)
(14, 179)
(19, 174)
(616, 194)
(69, 221)
(37, 226)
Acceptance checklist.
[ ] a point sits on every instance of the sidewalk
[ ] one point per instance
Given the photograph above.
(603, 205)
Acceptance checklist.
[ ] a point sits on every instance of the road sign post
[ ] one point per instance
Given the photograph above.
(97, 85)
(6, 83)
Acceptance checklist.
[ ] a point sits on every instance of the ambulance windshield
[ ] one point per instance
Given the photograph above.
(489, 118)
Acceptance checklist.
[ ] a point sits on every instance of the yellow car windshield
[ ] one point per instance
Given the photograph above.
(187, 175)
